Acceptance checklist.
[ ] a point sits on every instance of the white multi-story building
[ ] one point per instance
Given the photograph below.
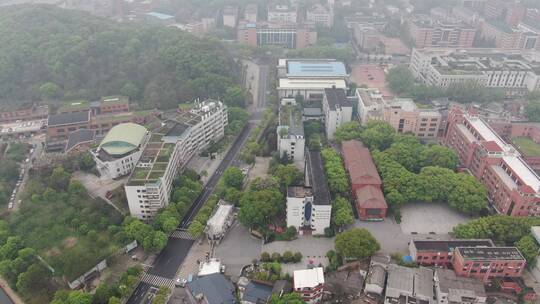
(309, 208)
(514, 71)
(370, 105)
(166, 153)
(320, 16)
(337, 110)
(309, 78)
(282, 14)
(120, 150)
(290, 133)
(230, 16)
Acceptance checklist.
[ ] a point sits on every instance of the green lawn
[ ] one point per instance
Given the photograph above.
(527, 146)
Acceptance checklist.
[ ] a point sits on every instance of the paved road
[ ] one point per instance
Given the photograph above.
(171, 257)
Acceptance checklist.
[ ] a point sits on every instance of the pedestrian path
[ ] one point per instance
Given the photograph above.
(157, 281)
(182, 234)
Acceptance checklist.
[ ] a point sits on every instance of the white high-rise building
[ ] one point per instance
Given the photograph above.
(337, 110)
(166, 153)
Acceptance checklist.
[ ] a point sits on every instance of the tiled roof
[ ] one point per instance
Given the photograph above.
(359, 163)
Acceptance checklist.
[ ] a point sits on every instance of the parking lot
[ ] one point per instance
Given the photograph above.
(425, 218)
(420, 221)
(237, 249)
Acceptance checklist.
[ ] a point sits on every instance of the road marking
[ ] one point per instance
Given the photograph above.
(182, 234)
(157, 280)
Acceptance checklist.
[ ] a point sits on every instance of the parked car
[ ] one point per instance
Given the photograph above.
(180, 282)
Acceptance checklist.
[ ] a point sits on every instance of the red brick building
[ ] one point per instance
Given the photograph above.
(24, 114)
(513, 186)
(510, 130)
(365, 181)
(489, 263)
(439, 253)
(434, 33)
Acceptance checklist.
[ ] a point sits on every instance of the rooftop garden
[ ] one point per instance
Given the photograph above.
(288, 114)
(527, 146)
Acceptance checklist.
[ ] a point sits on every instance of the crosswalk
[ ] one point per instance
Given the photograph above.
(182, 234)
(157, 280)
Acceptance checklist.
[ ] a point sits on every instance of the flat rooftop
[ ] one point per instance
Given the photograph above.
(316, 68)
(68, 118)
(298, 191)
(337, 98)
(23, 126)
(313, 84)
(450, 245)
(317, 178)
(490, 253)
(153, 162)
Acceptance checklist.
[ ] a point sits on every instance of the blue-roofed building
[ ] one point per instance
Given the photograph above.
(310, 77)
(159, 18)
(316, 69)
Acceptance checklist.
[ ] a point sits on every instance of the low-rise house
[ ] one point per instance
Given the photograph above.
(440, 252)
(309, 284)
(211, 289)
(256, 293)
(409, 285)
(486, 264)
(451, 289)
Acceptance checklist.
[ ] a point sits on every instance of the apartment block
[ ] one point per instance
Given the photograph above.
(337, 110)
(437, 33)
(486, 264)
(282, 14)
(230, 16)
(404, 116)
(320, 15)
(440, 253)
(365, 181)
(513, 186)
(168, 150)
(515, 72)
(510, 12)
(370, 105)
(290, 133)
(522, 36)
(309, 208)
(251, 12)
(309, 284)
(287, 36)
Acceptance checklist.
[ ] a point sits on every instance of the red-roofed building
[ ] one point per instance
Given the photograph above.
(365, 181)
(370, 203)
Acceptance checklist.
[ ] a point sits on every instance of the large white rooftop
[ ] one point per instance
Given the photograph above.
(525, 173)
(300, 84)
(485, 131)
(308, 277)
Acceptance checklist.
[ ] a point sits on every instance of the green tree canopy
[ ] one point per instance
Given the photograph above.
(532, 110)
(357, 243)
(233, 177)
(347, 131)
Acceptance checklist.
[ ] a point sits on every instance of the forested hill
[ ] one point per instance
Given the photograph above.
(51, 53)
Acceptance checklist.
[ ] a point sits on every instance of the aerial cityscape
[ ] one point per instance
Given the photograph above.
(269, 151)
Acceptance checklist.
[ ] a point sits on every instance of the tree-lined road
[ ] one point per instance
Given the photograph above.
(172, 256)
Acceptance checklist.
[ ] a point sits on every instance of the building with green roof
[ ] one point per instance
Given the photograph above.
(120, 150)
